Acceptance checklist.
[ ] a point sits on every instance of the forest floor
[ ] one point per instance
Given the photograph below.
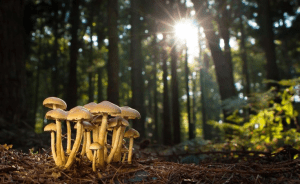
(218, 167)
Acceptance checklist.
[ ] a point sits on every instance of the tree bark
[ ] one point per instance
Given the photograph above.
(167, 133)
(223, 71)
(113, 53)
(12, 70)
(72, 86)
(267, 40)
(91, 72)
(175, 97)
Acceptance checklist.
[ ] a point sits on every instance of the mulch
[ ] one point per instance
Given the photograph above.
(227, 167)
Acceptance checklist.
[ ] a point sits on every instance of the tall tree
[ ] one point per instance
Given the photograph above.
(113, 53)
(167, 128)
(175, 96)
(222, 67)
(91, 71)
(137, 78)
(12, 70)
(267, 39)
(72, 85)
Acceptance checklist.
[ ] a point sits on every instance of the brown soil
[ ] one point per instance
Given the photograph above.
(221, 167)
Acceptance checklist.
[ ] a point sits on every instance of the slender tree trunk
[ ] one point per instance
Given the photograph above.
(155, 98)
(268, 41)
(113, 53)
(12, 70)
(187, 90)
(167, 133)
(72, 86)
(246, 80)
(175, 97)
(91, 72)
(223, 71)
(137, 78)
(55, 82)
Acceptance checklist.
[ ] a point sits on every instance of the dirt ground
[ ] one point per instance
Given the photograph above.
(218, 167)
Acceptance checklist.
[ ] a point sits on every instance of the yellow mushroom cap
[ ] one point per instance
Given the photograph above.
(131, 133)
(56, 114)
(117, 121)
(76, 108)
(51, 101)
(81, 114)
(87, 126)
(129, 112)
(90, 105)
(105, 107)
(95, 146)
(50, 127)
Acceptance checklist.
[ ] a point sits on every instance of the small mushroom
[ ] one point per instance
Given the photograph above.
(95, 147)
(57, 115)
(131, 134)
(51, 127)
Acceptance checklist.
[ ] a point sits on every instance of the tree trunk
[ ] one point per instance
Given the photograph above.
(268, 41)
(223, 71)
(91, 71)
(55, 81)
(175, 96)
(12, 70)
(246, 80)
(167, 133)
(113, 53)
(72, 86)
(137, 78)
(187, 90)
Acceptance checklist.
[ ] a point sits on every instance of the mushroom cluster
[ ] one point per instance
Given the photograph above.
(92, 123)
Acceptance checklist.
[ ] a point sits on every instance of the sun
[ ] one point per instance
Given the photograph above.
(187, 33)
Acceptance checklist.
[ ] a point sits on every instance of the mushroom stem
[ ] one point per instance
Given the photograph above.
(53, 147)
(84, 144)
(68, 137)
(130, 150)
(94, 161)
(95, 133)
(89, 153)
(58, 143)
(114, 148)
(75, 146)
(114, 135)
(117, 156)
(105, 147)
(102, 139)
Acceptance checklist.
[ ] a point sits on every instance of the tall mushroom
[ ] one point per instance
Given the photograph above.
(121, 124)
(79, 115)
(87, 127)
(104, 108)
(58, 115)
(51, 127)
(126, 113)
(131, 134)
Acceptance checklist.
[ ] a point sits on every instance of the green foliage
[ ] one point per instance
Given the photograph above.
(271, 124)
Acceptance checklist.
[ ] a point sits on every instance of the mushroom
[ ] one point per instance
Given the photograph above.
(86, 139)
(105, 108)
(51, 127)
(54, 102)
(124, 150)
(120, 124)
(95, 146)
(79, 115)
(131, 134)
(57, 115)
(97, 120)
(126, 113)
